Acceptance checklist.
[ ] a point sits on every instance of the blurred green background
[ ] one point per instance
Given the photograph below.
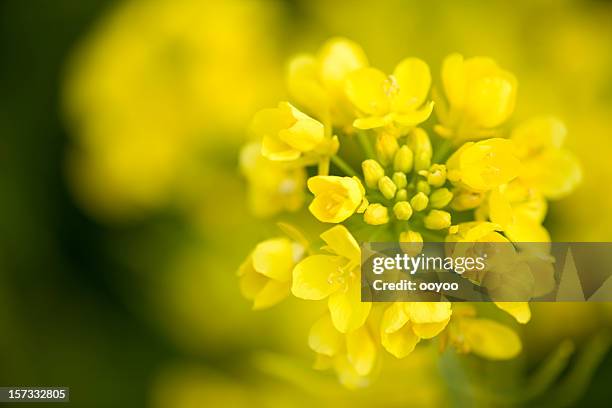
(122, 212)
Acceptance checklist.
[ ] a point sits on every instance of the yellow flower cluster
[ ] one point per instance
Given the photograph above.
(473, 182)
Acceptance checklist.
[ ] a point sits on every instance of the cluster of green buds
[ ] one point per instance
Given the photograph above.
(404, 187)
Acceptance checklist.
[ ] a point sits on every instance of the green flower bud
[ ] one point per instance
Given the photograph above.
(376, 214)
(437, 220)
(423, 187)
(401, 195)
(387, 187)
(421, 147)
(419, 202)
(402, 210)
(386, 147)
(372, 172)
(400, 180)
(437, 175)
(403, 159)
(440, 198)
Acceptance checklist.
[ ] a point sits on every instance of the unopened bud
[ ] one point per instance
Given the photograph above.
(440, 198)
(400, 180)
(466, 200)
(402, 210)
(421, 147)
(419, 202)
(423, 187)
(386, 147)
(387, 187)
(437, 175)
(376, 214)
(403, 159)
(437, 220)
(411, 242)
(372, 172)
(401, 195)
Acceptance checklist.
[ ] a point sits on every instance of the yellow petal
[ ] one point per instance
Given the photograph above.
(535, 135)
(526, 230)
(347, 310)
(324, 338)
(394, 318)
(336, 198)
(413, 80)
(340, 240)
(372, 122)
(500, 210)
(305, 134)
(488, 164)
(491, 100)
(274, 258)
(304, 86)
(366, 89)
(519, 310)
(453, 79)
(415, 117)
(251, 283)
(489, 339)
(428, 312)
(429, 330)
(277, 150)
(339, 57)
(361, 350)
(313, 277)
(272, 293)
(400, 343)
(555, 172)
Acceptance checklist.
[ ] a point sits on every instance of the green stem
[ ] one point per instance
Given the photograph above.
(366, 145)
(344, 166)
(324, 166)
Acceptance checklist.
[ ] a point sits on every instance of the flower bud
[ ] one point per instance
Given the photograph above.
(419, 202)
(437, 175)
(400, 180)
(422, 149)
(437, 220)
(372, 172)
(465, 199)
(376, 214)
(386, 147)
(401, 195)
(423, 187)
(402, 210)
(411, 242)
(403, 159)
(387, 187)
(440, 198)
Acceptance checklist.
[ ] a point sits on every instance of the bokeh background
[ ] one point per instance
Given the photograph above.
(123, 216)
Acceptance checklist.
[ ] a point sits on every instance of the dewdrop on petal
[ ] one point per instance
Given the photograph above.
(403, 160)
(376, 214)
(372, 172)
(437, 220)
(419, 202)
(387, 187)
(400, 180)
(386, 147)
(402, 210)
(440, 198)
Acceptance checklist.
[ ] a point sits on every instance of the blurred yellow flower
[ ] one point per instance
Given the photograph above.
(286, 132)
(336, 276)
(481, 96)
(404, 324)
(484, 165)
(400, 98)
(316, 83)
(265, 276)
(335, 198)
(273, 186)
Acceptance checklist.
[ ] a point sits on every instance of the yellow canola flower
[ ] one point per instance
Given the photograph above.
(353, 355)
(404, 324)
(547, 166)
(399, 98)
(484, 165)
(273, 186)
(335, 276)
(336, 198)
(287, 133)
(485, 338)
(316, 83)
(265, 276)
(481, 96)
